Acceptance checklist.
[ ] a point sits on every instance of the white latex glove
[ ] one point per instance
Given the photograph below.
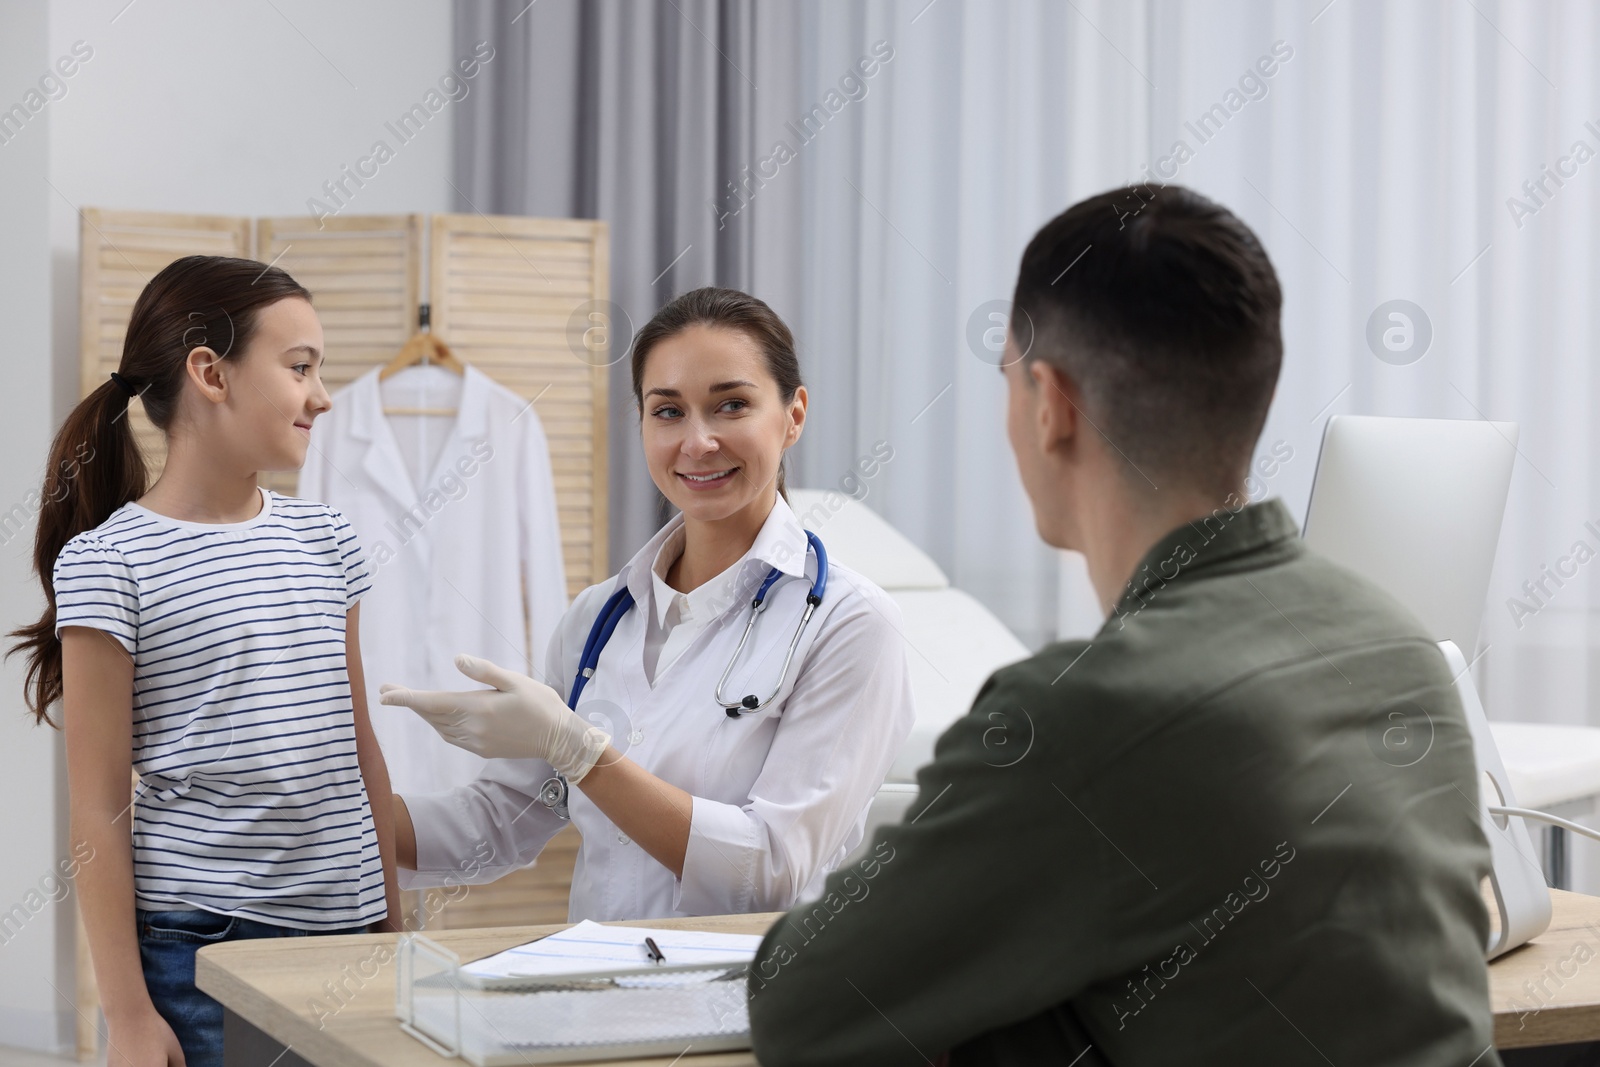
(517, 719)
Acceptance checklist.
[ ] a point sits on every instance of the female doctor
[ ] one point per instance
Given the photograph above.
(717, 757)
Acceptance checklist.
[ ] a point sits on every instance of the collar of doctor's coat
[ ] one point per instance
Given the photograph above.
(368, 423)
(781, 543)
(701, 604)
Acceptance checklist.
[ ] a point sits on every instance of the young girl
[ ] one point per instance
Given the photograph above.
(202, 632)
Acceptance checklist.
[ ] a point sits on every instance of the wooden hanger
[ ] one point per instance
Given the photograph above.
(423, 349)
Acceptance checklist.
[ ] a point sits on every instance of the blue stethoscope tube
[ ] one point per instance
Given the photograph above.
(554, 791)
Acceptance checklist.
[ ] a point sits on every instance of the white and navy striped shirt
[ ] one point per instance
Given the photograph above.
(250, 800)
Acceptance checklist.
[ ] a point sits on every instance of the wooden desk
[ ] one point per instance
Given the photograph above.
(1545, 993)
(330, 1000)
(1548, 991)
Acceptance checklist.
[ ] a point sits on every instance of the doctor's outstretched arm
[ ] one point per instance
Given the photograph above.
(521, 719)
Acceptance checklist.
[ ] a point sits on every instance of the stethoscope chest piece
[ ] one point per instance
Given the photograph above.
(553, 795)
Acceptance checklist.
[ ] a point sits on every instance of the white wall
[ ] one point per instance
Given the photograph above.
(238, 109)
(30, 785)
(183, 106)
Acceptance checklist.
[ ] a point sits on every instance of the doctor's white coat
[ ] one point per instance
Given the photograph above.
(780, 795)
(466, 559)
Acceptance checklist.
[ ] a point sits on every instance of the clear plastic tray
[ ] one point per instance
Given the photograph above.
(595, 1019)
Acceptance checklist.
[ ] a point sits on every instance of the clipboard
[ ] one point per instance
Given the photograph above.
(591, 955)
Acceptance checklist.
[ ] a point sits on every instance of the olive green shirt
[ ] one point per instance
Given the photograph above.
(1239, 825)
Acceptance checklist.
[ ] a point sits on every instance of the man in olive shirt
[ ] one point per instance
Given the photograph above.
(1239, 825)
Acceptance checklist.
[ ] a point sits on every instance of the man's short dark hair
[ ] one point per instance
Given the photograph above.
(1163, 307)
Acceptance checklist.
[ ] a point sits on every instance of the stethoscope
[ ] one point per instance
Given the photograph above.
(554, 792)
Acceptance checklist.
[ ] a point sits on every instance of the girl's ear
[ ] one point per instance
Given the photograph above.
(204, 368)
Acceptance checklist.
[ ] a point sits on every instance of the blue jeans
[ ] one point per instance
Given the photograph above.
(168, 941)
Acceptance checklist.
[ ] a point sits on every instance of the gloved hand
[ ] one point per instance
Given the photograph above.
(517, 719)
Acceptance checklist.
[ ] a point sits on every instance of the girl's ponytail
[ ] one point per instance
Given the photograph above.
(95, 466)
(94, 469)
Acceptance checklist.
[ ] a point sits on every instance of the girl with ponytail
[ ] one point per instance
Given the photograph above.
(201, 633)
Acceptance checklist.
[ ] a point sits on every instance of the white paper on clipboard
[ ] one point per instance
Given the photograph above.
(590, 950)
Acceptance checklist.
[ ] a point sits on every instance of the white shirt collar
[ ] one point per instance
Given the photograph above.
(700, 604)
(780, 543)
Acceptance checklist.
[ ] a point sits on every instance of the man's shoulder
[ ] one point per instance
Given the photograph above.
(1067, 701)
(1060, 668)
(1303, 617)
(1105, 668)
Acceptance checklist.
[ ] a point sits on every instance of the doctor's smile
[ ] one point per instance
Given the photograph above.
(710, 480)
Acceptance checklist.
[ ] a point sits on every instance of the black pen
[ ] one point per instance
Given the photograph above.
(653, 951)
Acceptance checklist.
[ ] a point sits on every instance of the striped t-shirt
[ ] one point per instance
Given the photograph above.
(250, 800)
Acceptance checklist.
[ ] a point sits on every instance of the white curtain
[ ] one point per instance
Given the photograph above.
(895, 232)
(1382, 165)
(1376, 161)
(1373, 146)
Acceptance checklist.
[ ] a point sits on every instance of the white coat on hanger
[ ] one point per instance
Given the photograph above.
(467, 559)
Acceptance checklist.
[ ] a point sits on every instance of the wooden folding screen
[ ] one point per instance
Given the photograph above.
(364, 273)
(506, 294)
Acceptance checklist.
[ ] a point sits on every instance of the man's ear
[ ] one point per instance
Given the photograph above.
(1058, 409)
(204, 368)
